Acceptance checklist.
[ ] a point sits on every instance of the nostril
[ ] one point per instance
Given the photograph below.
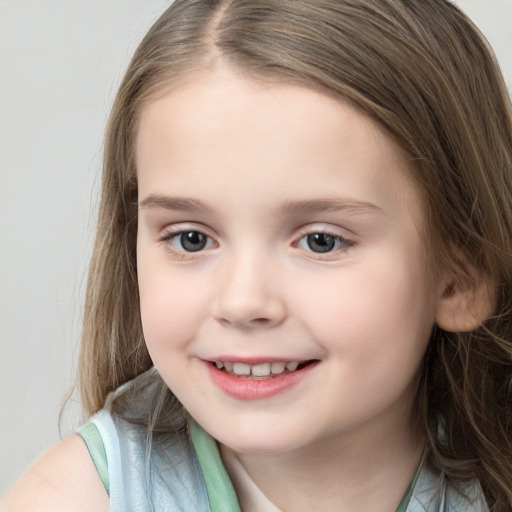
(260, 320)
(254, 322)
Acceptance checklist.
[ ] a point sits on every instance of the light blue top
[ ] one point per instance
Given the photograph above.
(190, 476)
(170, 481)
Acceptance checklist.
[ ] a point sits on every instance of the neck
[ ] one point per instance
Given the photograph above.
(370, 470)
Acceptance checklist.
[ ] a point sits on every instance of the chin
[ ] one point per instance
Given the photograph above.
(258, 441)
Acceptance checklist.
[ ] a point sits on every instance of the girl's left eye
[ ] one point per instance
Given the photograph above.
(189, 241)
(323, 243)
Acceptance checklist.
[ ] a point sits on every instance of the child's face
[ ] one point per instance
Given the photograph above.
(277, 225)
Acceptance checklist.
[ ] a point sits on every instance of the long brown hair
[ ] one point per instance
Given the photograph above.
(424, 73)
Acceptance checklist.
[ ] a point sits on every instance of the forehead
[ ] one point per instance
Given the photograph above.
(199, 100)
(218, 129)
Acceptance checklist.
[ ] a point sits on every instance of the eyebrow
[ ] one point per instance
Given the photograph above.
(289, 207)
(329, 205)
(183, 204)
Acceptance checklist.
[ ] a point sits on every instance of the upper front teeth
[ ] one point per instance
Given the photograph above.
(242, 369)
(278, 367)
(258, 370)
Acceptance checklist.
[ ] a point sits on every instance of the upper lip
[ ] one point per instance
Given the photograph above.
(256, 359)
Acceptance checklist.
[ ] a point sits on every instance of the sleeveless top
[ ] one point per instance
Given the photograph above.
(189, 475)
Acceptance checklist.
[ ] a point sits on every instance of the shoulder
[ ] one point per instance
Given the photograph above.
(64, 479)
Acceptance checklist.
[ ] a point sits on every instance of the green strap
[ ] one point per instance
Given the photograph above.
(90, 434)
(221, 494)
(408, 495)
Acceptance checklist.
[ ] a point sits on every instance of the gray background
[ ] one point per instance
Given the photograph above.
(60, 63)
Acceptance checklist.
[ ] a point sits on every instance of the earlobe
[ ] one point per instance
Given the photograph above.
(463, 307)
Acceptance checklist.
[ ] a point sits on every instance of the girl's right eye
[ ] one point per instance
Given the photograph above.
(188, 241)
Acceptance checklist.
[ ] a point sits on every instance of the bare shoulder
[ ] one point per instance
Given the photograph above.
(63, 479)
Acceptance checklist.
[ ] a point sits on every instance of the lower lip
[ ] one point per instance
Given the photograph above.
(251, 389)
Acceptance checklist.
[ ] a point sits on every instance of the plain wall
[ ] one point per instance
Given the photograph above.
(60, 64)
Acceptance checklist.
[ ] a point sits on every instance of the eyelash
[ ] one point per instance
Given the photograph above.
(169, 237)
(344, 244)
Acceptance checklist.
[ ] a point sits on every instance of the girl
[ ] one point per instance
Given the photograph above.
(299, 297)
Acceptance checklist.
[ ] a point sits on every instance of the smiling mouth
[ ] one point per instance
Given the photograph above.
(260, 371)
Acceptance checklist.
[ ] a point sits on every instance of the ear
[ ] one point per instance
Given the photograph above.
(465, 303)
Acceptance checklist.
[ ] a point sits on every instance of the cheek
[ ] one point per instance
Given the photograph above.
(171, 305)
(381, 311)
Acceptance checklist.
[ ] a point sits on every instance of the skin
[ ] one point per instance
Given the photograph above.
(64, 479)
(240, 153)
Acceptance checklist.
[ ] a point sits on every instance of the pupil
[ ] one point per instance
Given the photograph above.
(192, 241)
(320, 242)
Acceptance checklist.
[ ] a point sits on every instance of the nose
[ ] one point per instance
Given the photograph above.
(248, 296)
